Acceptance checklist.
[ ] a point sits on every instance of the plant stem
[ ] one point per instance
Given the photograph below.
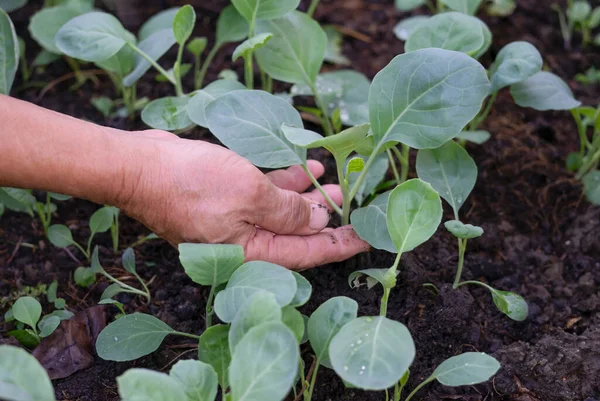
(313, 381)
(584, 142)
(462, 246)
(153, 63)
(197, 83)
(86, 254)
(180, 333)
(80, 78)
(126, 286)
(476, 283)
(397, 392)
(209, 58)
(480, 118)
(418, 388)
(312, 7)
(394, 168)
(565, 28)
(114, 232)
(404, 162)
(588, 165)
(314, 181)
(209, 308)
(347, 200)
(177, 72)
(325, 122)
(249, 71)
(387, 290)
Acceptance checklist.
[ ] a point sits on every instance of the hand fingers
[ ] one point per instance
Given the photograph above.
(295, 178)
(302, 252)
(334, 191)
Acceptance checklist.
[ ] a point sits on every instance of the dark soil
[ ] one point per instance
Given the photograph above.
(541, 236)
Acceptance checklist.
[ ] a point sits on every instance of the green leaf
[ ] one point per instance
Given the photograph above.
(208, 264)
(202, 98)
(128, 260)
(26, 337)
(17, 200)
(264, 364)
(47, 325)
(374, 277)
(355, 165)
(22, 377)
(254, 10)
(60, 303)
(262, 307)
(94, 36)
(199, 380)
(579, 11)
(121, 64)
(415, 101)
(591, 187)
(501, 8)
(184, 69)
(213, 348)
(249, 45)
(372, 353)
(405, 28)
(511, 304)
(101, 220)
(370, 223)
(231, 26)
(249, 279)
(131, 337)
(450, 31)
(450, 171)
(414, 212)
(60, 235)
(516, 62)
(45, 58)
(51, 292)
(158, 22)
(27, 310)
(468, 7)
(9, 53)
(1, 209)
(409, 5)
(84, 276)
(373, 177)
(148, 385)
(294, 321)
(326, 322)
(103, 104)
(544, 91)
(230, 75)
(286, 57)
(479, 137)
(111, 291)
(333, 50)
(12, 5)
(155, 46)
(303, 291)
(464, 231)
(197, 46)
(249, 123)
(183, 24)
(61, 314)
(167, 113)
(44, 25)
(466, 369)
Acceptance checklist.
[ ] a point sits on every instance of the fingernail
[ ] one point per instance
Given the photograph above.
(319, 217)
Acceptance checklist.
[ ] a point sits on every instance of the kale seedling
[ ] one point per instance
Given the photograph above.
(579, 17)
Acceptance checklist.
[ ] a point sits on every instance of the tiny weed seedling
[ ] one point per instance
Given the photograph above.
(590, 77)
(579, 17)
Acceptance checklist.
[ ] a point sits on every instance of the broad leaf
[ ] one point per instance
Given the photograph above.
(479, 137)
(155, 46)
(26, 337)
(202, 98)
(405, 28)
(466, 369)
(501, 8)
(167, 113)
(94, 36)
(197, 45)
(60, 236)
(579, 11)
(261, 308)
(254, 10)
(544, 91)
(121, 63)
(374, 277)
(249, 123)
(303, 291)
(450, 31)
(128, 260)
(158, 22)
(425, 98)
(250, 278)
(44, 25)
(516, 62)
(464, 231)
(22, 377)
(333, 51)
(468, 7)
(48, 325)
(326, 322)
(131, 337)
(12, 5)
(149, 385)
(373, 177)
(511, 304)
(183, 24)
(231, 26)
(249, 45)
(199, 380)
(450, 171)
(414, 212)
(27, 310)
(286, 57)
(208, 264)
(591, 187)
(101, 220)
(265, 364)
(17, 200)
(84, 277)
(111, 291)
(370, 223)
(372, 353)
(294, 321)
(409, 5)
(213, 348)
(9, 53)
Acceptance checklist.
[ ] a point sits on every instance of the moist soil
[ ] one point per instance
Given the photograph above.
(541, 236)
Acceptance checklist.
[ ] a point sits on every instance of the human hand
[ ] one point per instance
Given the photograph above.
(194, 191)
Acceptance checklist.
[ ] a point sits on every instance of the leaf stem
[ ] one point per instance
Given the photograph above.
(387, 290)
(313, 381)
(420, 386)
(249, 71)
(209, 308)
(177, 71)
(181, 333)
(131, 289)
(153, 63)
(480, 118)
(325, 122)
(394, 168)
(403, 161)
(462, 246)
(314, 181)
(346, 199)
(584, 142)
(312, 7)
(209, 58)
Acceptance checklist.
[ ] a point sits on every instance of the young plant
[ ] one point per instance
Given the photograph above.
(468, 7)
(22, 377)
(453, 173)
(579, 17)
(590, 77)
(9, 58)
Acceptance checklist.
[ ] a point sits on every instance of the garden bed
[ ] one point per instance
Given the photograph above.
(541, 236)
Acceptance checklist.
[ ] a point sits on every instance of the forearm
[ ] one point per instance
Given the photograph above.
(45, 150)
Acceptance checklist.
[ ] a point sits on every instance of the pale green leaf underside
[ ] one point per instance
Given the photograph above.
(202, 98)
(370, 223)
(544, 91)
(231, 26)
(167, 113)
(511, 304)
(22, 377)
(462, 230)
(516, 62)
(303, 291)
(249, 45)
(208, 264)
(155, 46)
(466, 369)
(158, 22)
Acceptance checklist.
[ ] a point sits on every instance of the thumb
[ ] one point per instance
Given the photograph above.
(287, 212)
